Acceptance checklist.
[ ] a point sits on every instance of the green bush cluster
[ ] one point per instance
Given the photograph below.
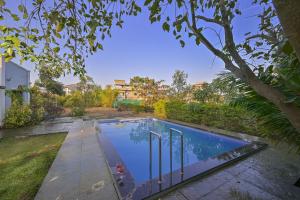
(219, 116)
(79, 100)
(17, 115)
(92, 98)
(37, 102)
(42, 105)
(77, 111)
(75, 99)
(160, 109)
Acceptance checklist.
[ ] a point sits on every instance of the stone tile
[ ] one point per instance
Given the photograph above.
(269, 174)
(47, 127)
(206, 185)
(271, 182)
(237, 189)
(237, 168)
(174, 196)
(59, 187)
(99, 190)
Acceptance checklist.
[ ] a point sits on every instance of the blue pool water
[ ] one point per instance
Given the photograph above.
(131, 141)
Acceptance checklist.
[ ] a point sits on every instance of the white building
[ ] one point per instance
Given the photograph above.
(12, 76)
(68, 89)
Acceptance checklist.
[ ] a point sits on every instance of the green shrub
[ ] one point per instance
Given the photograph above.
(38, 115)
(75, 99)
(37, 101)
(52, 106)
(93, 98)
(17, 115)
(160, 109)
(109, 96)
(219, 116)
(77, 111)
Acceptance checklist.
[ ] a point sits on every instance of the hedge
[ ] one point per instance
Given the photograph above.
(220, 116)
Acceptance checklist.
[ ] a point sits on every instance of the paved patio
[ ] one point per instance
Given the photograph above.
(80, 172)
(46, 127)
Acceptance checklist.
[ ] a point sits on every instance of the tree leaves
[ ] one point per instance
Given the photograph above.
(2, 3)
(60, 26)
(182, 43)
(166, 26)
(15, 17)
(147, 2)
(63, 33)
(147, 88)
(21, 8)
(198, 40)
(56, 49)
(10, 51)
(287, 48)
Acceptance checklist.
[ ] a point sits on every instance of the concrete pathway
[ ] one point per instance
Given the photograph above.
(79, 170)
(46, 127)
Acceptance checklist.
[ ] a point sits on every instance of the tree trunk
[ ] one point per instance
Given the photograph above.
(242, 70)
(288, 12)
(290, 110)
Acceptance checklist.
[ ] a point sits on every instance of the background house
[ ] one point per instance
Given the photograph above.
(68, 89)
(198, 85)
(81, 86)
(12, 77)
(125, 90)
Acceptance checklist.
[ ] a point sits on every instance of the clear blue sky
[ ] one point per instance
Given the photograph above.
(144, 49)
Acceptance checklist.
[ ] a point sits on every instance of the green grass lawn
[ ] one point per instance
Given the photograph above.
(24, 162)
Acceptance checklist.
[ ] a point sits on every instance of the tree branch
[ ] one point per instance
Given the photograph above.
(228, 64)
(230, 44)
(268, 38)
(210, 20)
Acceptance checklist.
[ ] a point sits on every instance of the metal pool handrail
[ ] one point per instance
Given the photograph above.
(181, 148)
(159, 150)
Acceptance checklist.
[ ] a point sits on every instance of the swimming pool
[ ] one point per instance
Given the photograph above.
(142, 167)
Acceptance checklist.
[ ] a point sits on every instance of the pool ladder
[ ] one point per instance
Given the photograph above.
(172, 130)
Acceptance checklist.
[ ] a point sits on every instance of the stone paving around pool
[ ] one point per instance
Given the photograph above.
(47, 127)
(269, 174)
(80, 172)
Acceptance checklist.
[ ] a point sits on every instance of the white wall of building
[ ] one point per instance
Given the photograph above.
(11, 77)
(2, 90)
(16, 76)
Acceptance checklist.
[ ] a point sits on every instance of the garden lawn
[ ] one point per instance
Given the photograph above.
(24, 162)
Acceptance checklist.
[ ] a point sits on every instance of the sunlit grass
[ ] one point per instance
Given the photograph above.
(24, 162)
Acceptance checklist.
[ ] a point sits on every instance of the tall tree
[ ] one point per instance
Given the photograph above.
(194, 17)
(108, 96)
(86, 84)
(47, 80)
(147, 88)
(289, 15)
(179, 82)
(221, 90)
